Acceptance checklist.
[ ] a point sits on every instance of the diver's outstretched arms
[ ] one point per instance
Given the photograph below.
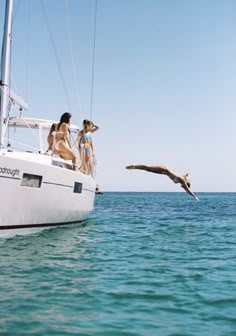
(186, 188)
(196, 198)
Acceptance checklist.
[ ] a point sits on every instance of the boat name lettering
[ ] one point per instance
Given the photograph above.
(12, 172)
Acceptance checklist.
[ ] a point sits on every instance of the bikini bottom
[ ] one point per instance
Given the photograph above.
(57, 144)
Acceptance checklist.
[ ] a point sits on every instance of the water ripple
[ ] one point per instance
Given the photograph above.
(143, 264)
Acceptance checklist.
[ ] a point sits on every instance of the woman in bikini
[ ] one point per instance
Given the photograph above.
(86, 146)
(62, 141)
(50, 138)
(176, 178)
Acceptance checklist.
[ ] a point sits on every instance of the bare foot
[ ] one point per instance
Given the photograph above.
(130, 167)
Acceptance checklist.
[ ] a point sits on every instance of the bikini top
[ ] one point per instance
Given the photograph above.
(86, 137)
(60, 135)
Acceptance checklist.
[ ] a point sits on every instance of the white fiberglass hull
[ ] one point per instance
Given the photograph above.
(37, 194)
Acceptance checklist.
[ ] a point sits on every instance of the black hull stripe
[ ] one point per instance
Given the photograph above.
(66, 185)
(56, 184)
(92, 191)
(10, 177)
(30, 226)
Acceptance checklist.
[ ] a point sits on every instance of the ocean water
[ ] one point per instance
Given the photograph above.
(143, 264)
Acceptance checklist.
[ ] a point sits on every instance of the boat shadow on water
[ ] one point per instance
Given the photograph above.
(73, 228)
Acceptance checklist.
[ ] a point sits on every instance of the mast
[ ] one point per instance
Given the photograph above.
(5, 69)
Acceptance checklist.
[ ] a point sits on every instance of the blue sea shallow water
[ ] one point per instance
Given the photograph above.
(143, 264)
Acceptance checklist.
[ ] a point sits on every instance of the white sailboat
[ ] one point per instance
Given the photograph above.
(36, 190)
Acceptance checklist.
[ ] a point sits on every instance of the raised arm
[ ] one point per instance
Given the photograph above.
(94, 128)
(79, 136)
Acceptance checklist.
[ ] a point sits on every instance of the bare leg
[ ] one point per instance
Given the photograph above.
(152, 169)
(90, 164)
(75, 164)
(67, 153)
(83, 160)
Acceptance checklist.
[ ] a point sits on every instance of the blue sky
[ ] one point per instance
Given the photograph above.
(164, 84)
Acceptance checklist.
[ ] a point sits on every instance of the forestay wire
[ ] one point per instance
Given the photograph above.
(56, 54)
(27, 48)
(93, 62)
(72, 56)
(28, 51)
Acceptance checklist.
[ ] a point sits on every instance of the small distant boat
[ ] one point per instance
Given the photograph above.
(97, 190)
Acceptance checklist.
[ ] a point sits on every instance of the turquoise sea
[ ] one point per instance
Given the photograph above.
(143, 264)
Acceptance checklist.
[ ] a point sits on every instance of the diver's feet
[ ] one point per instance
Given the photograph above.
(130, 166)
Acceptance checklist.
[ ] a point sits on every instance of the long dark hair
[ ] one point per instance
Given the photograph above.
(52, 128)
(65, 118)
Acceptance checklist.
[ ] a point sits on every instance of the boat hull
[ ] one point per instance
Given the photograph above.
(37, 194)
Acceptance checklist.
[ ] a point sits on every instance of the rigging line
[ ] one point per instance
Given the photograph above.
(16, 10)
(56, 54)
(28, 50)
(13, 17)
(72, 56)
(13, 84)
(13, 20)
(93, 63)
